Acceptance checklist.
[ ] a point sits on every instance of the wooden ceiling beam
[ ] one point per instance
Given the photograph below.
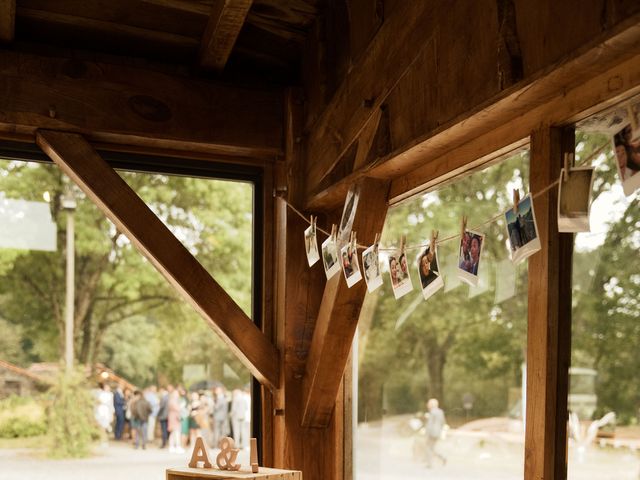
(593, 75)
(77, 158)
(121, 105)
(7, 20)
(338, 315)
(224, 25)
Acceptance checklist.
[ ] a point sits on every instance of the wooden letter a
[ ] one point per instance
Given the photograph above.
(200, 454)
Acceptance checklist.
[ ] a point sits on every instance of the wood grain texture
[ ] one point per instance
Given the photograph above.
(223, 27)
(565, 91)
(338, 316)
(145, 230)
(213, 473)
(130, 106)
(549, 315)
(7, 20)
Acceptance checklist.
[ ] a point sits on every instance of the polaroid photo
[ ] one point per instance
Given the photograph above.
(429, 272)
(505, 280)
(399, 272)
(574, 200)
(469, 255)
(348, 214)
(330, 257)
(311, 245)
(626, 145)
(350, 266)
(522, 230)
(450, 273)
(371, 263)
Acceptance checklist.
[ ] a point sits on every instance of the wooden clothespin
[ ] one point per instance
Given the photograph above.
(463, 225)
(516, 200)
(434, 238)
(403, 240)
(352, 241)
(376, 241)
(633, 118)
(568, 163)
(313, 221)
(334, 232)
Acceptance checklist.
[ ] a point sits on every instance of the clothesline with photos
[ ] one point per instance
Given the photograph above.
(340, 249)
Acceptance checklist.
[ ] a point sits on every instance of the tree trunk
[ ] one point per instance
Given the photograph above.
(436, 359)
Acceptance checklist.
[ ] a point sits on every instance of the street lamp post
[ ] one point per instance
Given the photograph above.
(69, 204)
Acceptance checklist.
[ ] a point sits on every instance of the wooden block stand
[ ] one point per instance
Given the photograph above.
(213, 473)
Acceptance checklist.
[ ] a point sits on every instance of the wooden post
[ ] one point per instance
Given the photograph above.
(549, 318)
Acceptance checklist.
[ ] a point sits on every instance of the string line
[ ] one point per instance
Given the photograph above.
(457, 235)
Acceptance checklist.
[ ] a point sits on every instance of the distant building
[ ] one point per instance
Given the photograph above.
(15, 380)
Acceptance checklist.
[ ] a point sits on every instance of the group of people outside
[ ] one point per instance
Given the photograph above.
(173, 416)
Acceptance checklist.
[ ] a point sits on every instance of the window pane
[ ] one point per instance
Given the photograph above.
(604, 395)
(131, 327)
(464, 346)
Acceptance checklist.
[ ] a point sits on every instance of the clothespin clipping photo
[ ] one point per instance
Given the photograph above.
(349, 257)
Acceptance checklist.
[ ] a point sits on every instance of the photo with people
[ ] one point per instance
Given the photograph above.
(522, 230)
(626, 145)
(399, 272)
(350, 267)
(469, 256)
(429, 272)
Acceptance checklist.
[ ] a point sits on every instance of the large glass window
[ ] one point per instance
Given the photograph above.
(464, 347)
(131, 331)
(604, 394)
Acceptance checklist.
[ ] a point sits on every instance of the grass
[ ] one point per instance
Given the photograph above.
(29, 442)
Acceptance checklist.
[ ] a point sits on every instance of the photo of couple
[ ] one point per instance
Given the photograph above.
(469, 256)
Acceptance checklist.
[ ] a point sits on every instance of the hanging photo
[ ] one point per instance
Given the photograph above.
(505, 281)
(400, 278)
(348, 214)
(522, 230)
(484, 281)
(311, 245)
(330, 257)
(450, 272)
(371, 264)
(469, 257)
(350, 265)
(627, 152)
(574, 200)
(429, 272)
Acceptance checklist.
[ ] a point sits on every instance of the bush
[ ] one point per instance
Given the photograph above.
(71, 422)
(21, 417)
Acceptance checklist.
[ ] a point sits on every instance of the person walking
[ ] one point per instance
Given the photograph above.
(151, 395)
(140, 412)
(434, 428)
(220, 416)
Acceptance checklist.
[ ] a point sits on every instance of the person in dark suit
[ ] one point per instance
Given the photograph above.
(120, 406)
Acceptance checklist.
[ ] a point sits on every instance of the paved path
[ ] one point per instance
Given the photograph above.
(116, 462)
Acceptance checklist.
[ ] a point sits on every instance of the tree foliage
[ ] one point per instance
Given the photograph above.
(126, 314)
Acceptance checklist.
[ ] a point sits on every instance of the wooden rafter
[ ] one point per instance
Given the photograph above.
(540, 96)
(129, 106)
(7, 20)
(338, 316)
(77, 158)
(221, 33)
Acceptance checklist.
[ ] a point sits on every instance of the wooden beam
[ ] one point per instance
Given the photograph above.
(549, 316)
(73, 154)
(221, 33)
(7, 20)
(338, 316)
(130, 106)
(598, 73)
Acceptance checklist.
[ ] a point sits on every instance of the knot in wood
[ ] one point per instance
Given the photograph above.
(150, 108)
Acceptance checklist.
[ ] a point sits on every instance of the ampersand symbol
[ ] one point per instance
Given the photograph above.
(227, 456)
